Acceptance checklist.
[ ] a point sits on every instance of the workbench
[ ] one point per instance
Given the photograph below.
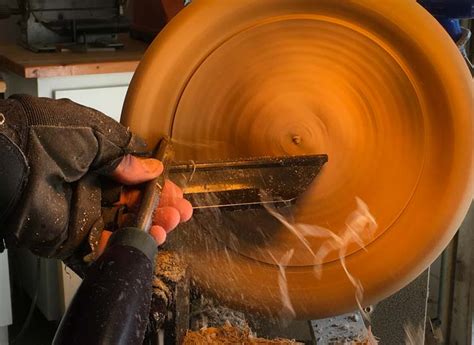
(96, 79)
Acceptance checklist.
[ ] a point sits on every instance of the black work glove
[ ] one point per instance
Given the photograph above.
(52, 154)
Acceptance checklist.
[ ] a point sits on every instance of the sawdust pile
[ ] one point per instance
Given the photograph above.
(229, 334)
(170, 265)
(169, 270)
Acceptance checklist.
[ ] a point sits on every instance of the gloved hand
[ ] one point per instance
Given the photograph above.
(53, 154)
(172, 209)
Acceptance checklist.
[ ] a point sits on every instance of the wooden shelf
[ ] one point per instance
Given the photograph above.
(27, 64)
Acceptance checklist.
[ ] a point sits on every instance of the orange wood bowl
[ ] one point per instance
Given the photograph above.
(377, 85)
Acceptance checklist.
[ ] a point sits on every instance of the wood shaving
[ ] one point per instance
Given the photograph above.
(169, 270)
(170, 266)
(229, 334)
(161, 290)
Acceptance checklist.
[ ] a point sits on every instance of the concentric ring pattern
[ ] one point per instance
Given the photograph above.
(351, 79)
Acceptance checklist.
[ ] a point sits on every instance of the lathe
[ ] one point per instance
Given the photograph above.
(377, 86)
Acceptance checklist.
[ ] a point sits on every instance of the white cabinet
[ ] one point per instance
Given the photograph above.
(108, 100)
(5, 299)
(104, 92)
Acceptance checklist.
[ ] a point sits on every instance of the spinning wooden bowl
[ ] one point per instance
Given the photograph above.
(377, 85)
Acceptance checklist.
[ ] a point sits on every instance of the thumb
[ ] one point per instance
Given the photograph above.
(133, 170)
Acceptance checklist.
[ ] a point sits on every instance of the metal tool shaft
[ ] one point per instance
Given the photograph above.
(247, 182)
(152, 194)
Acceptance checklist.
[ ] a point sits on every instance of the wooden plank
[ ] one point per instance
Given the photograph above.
(74, 69)
(3, 86)
(42, 65)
